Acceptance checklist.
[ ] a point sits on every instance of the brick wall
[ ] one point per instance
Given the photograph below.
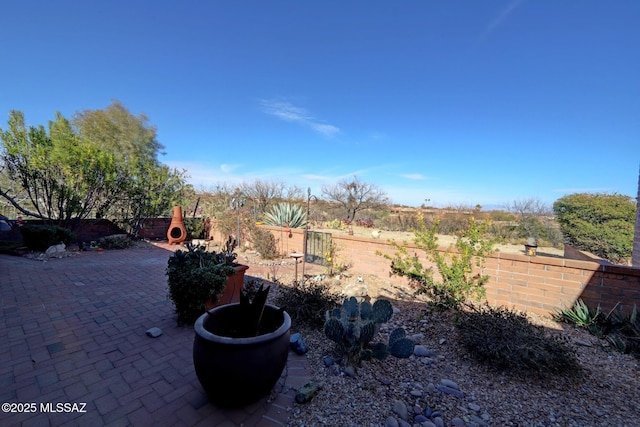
(536, 284)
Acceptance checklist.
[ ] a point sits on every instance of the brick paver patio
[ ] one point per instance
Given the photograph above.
(72, 331)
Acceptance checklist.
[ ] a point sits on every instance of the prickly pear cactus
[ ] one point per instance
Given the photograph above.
(381, 311)
(353, 326)
(399, 344)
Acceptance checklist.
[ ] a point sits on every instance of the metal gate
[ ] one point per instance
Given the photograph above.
(318, 245)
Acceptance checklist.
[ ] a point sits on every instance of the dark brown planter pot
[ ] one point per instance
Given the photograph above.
(232, 288)
(239, 371)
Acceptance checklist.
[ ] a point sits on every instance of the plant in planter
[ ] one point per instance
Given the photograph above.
(195, 277)
(235, 280)
(240, 349)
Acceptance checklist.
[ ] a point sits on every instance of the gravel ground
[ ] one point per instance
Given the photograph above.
(380, 391)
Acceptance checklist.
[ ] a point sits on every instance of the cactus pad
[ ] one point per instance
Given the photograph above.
(402, 348)
(381, 311)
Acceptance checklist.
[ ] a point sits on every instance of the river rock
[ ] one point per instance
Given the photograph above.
(400, 409)
(307, 391)
(298, 344)
(154, 332)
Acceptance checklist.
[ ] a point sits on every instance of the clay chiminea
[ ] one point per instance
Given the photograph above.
(176, 233)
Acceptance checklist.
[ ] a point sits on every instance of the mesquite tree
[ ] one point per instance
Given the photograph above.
(355, 196)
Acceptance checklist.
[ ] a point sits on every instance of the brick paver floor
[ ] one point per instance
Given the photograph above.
(72, 331)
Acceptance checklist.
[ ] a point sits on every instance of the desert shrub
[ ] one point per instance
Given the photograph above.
(116, 242)
(505, 339)
(457, 281)
(40, 237)
(8, 247)
(336, 224)
(621, 330)
(307, 302)
(365, 222)
(265, 243)
(195, 228)
(453, 223)
(400, 222)
(335, 263)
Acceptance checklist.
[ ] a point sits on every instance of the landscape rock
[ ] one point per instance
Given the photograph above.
(451, 391)
(154, 332)
(391, 422)
(400, 409)
(55, 250)
(307, 391)
(298, 344)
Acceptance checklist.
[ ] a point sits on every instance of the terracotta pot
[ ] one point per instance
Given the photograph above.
(239, 371)
(232, 288)
(176, 233)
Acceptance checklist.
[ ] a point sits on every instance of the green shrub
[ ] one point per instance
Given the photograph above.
(264, 242)
(336, 224)
(602, 224)
(194, 276)
(457, 282)
(505, 339)
(8, 247)
(116, 242)
(307, 302)
(195, 228)
(40, 237)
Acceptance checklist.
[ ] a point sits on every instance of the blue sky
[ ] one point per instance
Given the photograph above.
(459, 102)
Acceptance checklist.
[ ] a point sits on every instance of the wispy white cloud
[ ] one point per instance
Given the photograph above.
(498, 20)
(314, 177)
(414, 176)
(225, 168)
(324, 129)
(291, 113)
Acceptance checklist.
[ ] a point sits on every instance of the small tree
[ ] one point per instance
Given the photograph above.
(262, 193)
(599, 223)
(457, 282)
(103, 163)
(355, 196)
(535, 220)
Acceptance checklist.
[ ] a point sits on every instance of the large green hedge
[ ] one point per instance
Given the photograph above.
(599, 223)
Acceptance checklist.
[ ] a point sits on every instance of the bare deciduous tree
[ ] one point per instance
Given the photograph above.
(263, 193)
(354, 196)
(531, 216)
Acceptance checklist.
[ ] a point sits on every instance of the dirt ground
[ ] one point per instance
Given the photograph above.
(444, 240)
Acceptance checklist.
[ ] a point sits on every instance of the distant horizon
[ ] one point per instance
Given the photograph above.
(467, 103)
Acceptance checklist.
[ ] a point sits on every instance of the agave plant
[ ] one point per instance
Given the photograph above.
(286, 214)
(579, 314)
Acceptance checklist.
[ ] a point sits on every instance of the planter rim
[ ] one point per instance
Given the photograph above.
(202, 332)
